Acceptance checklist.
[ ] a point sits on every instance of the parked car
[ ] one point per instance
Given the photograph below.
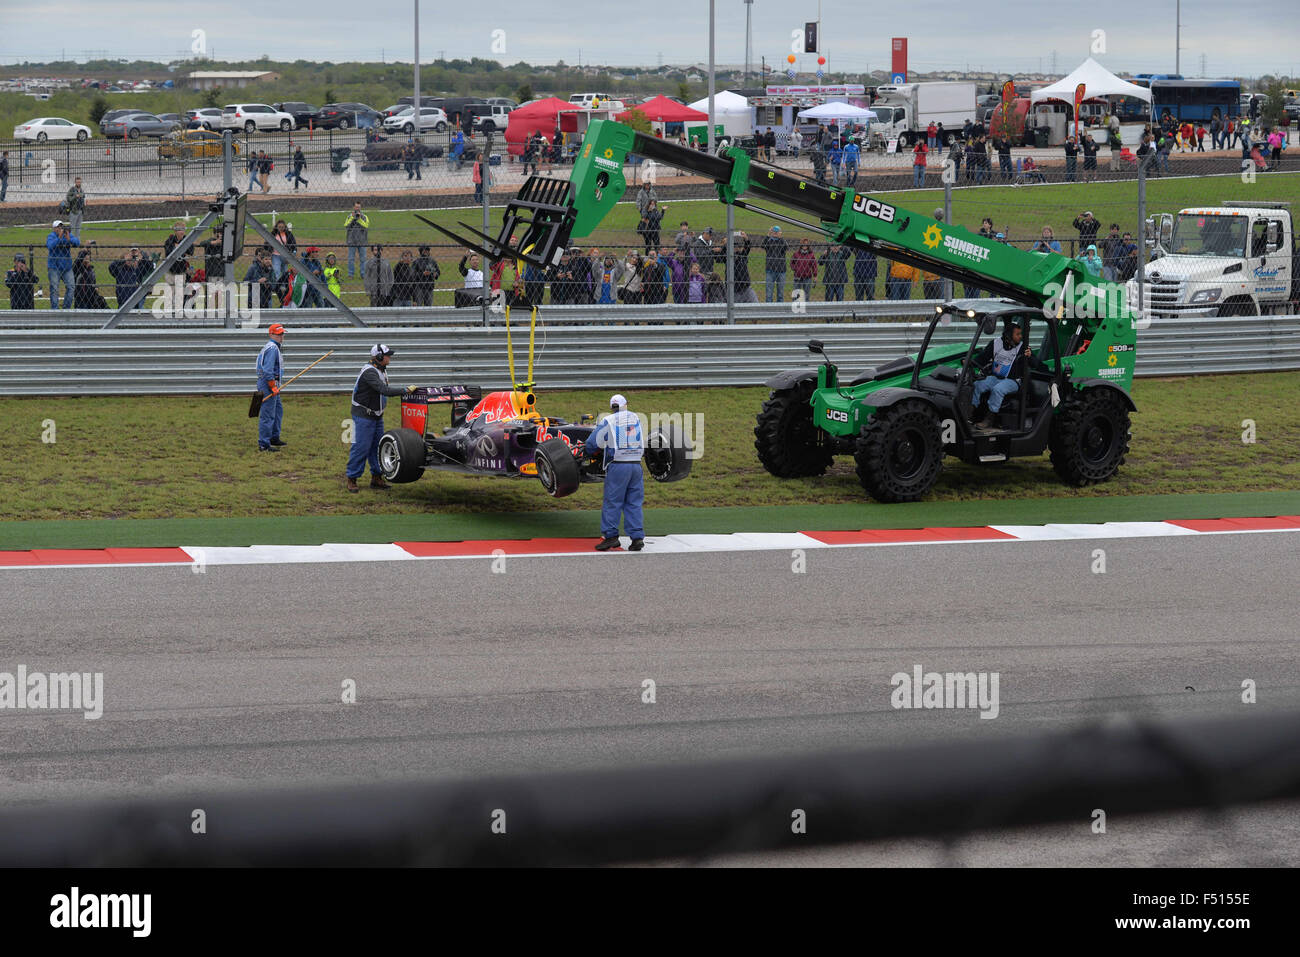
(176, 118)
(193, 144)
(50, 128)
(431, 118)
(208, 118)
(112, 115)
(254, 116)
(489, 118)
(135, 125)
(345, 116)
(303, 113)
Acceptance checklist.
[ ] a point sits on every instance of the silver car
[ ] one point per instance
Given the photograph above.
(135, 125)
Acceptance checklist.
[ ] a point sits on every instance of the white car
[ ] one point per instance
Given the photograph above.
(431, 118)
(255, 116)
(51, 128)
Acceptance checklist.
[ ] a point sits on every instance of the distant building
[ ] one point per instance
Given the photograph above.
(235, 80)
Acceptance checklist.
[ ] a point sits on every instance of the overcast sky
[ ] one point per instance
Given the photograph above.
(1012, 36)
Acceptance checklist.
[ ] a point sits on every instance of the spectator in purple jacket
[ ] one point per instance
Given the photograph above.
(679, 273)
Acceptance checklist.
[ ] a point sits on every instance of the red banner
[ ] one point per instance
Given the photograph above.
(899, 51)
(1078, 102)
(1008, 91)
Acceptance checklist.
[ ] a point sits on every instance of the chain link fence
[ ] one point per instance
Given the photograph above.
(1030, 197)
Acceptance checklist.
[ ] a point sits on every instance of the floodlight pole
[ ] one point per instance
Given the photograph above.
(711, 77)
(227, 176)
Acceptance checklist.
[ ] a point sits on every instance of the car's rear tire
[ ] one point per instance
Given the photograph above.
(1090, 436)
(42, 137)
(788, 443)
(401, 455)
(206, 126)
(667, 454)
(900, 452)
(82, 135)
(557, 469)
(345, 124)
(250, 127)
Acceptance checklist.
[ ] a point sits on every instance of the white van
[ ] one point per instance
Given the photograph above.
(593, 101)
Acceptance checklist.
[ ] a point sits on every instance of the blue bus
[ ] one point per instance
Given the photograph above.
(1196, 101)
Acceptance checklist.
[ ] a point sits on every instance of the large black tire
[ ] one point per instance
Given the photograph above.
(557, 469)
(788, 443)
(900, 452)
(401, 455)
(1090, 437)
(667, 454)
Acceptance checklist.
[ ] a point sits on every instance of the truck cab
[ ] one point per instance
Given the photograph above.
(1237, 259)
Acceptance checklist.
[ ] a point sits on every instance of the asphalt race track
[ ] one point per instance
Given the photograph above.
(232, 678)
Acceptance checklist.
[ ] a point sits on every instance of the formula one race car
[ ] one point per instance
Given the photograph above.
(502, 433)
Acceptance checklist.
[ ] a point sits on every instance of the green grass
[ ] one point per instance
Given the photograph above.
(1022, 212)
(386, 527)
(194, 457)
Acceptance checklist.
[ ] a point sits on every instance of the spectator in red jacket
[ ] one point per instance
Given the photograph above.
(803, 265)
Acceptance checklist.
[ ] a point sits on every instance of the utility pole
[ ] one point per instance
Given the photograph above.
(417, 71)
(711, 77)
(749, 37)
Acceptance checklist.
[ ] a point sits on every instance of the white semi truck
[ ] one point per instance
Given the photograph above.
(1237, 259)
(906, 111)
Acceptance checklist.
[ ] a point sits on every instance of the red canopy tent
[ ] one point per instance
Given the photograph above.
(663, 110)
(540, 117)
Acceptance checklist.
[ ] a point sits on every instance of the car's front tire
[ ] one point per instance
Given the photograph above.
(285, 126)
(82, 136)
(401, 455)
(557, 469)
(440, 128)
(668, 454)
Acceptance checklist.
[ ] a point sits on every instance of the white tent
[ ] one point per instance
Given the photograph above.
(837, 111)
(731, 110)
(1097, 80)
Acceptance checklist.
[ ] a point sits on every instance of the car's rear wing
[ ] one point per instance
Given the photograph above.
(415, 405)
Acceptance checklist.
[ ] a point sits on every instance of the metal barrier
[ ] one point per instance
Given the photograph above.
(220, 361)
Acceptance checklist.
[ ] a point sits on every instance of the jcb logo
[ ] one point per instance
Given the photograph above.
(835, 415)
(873, 207)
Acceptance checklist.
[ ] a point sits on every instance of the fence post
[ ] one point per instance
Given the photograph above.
(947, 220)
(731, 264)
(1142, 231)
(485, 178)
(227, 173)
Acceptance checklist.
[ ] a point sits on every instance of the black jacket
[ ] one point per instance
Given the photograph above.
(86, 293)
(370, 385)
(22, 289)
(984, 359)
(1087, 230)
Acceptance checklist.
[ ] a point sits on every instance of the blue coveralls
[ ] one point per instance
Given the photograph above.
(619, 435)
(269, 366)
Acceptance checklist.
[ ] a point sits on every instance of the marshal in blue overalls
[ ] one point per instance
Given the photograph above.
(619, 437)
